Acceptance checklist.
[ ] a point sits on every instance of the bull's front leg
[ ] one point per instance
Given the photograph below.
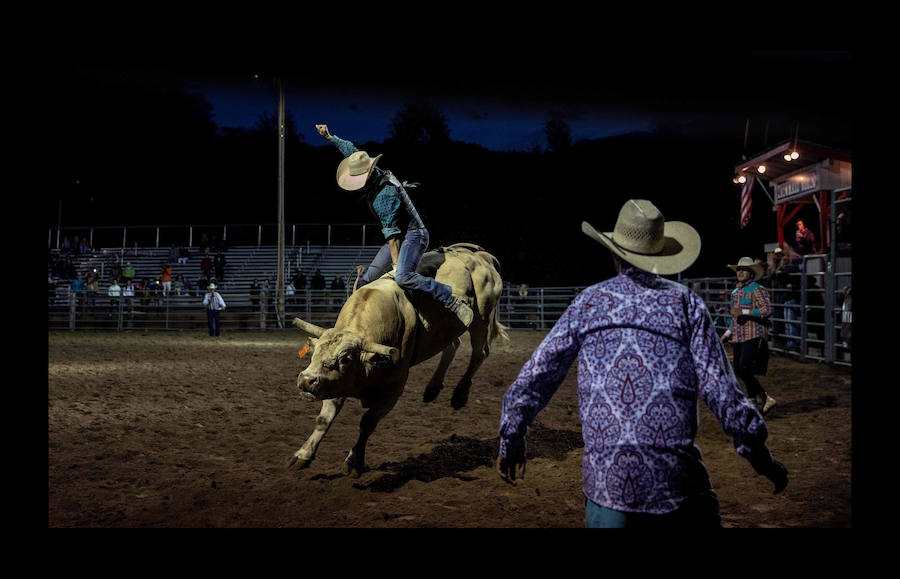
(330, 408)
(355, 463)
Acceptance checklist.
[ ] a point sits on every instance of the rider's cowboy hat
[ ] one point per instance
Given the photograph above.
(643, 238)
(353, 171)
(756, 268)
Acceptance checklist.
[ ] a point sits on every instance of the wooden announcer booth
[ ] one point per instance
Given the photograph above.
(800, 173)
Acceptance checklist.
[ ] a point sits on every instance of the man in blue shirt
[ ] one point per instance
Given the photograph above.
(647, 350)
(406, 237)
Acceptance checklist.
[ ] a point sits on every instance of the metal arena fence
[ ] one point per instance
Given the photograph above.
(811, 320)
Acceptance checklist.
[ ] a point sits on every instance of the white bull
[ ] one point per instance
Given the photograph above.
(381, 332)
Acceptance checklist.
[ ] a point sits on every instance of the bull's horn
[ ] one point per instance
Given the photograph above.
(311, 329)
(377, 348)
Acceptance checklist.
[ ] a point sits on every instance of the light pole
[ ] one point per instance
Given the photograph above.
(281, 131)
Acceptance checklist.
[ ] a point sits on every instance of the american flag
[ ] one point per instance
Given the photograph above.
(746, 201)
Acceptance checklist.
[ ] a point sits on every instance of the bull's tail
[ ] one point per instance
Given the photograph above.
(496, 329)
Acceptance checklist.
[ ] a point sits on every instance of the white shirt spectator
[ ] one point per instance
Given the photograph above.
(114, 290)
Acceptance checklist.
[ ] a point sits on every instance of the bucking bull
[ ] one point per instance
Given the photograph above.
(381, 332)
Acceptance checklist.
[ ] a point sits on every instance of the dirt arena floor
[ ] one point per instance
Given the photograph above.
(183, 430)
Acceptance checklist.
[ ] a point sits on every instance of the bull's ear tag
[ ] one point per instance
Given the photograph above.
(303, 350)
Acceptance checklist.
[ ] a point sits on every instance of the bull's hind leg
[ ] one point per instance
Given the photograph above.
(478, 336)
(330, 408)
(436, 384)
(355, 463)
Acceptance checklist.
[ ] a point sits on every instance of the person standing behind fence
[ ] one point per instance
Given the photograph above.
(750, 310)
(114, 291)
(214, 304)
(647, 351)
(77, 288)
(92, 288)
(128, 294)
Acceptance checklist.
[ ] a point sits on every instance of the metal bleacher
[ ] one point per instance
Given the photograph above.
(243, 265)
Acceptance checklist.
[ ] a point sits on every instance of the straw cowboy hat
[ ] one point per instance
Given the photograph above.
(354, 170)
(756, 268)
(644, 238)
(211, 286)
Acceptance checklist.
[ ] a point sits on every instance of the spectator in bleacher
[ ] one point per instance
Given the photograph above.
(178, 285)
(128, 271)
(173, 254)
(128, 293)
(184, 255)
(846, 315)
(254, 293)
(146, 291)
(774, 264)
(214, 304)
(66, 246)
(114, 292)
(91, 288)
(264, 295)
(165, 278)
(206, 266)
(77, 288)
(299, 280)
(70, 270)
(189, 287)
(318, 281)
(406, 237)
(115, 270)
(219, 264)
(204, 243)
(338, 288)
(289, 292)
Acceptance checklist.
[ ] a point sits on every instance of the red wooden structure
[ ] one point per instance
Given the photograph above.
(809, 176)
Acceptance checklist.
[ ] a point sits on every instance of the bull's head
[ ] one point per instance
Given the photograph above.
(340, 362)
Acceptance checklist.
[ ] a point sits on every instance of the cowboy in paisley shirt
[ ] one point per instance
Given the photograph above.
(647, 351)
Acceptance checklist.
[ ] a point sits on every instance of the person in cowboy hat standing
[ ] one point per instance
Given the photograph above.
(406, 237)
(214, 304)
(647, 349)
(750, 309)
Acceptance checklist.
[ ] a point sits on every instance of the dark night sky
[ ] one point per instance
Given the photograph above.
(127, 131)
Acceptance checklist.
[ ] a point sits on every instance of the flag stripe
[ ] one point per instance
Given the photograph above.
(746, 202)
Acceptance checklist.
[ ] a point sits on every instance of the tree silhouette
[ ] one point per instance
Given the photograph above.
(419, 122)
(559, 138)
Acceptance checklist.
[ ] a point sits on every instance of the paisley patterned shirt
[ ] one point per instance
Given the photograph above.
(647, 350)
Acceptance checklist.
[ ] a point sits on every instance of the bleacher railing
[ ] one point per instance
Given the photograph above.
(137, 236)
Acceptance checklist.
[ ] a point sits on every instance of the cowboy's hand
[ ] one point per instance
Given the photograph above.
(323, 130)
(510, 467)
